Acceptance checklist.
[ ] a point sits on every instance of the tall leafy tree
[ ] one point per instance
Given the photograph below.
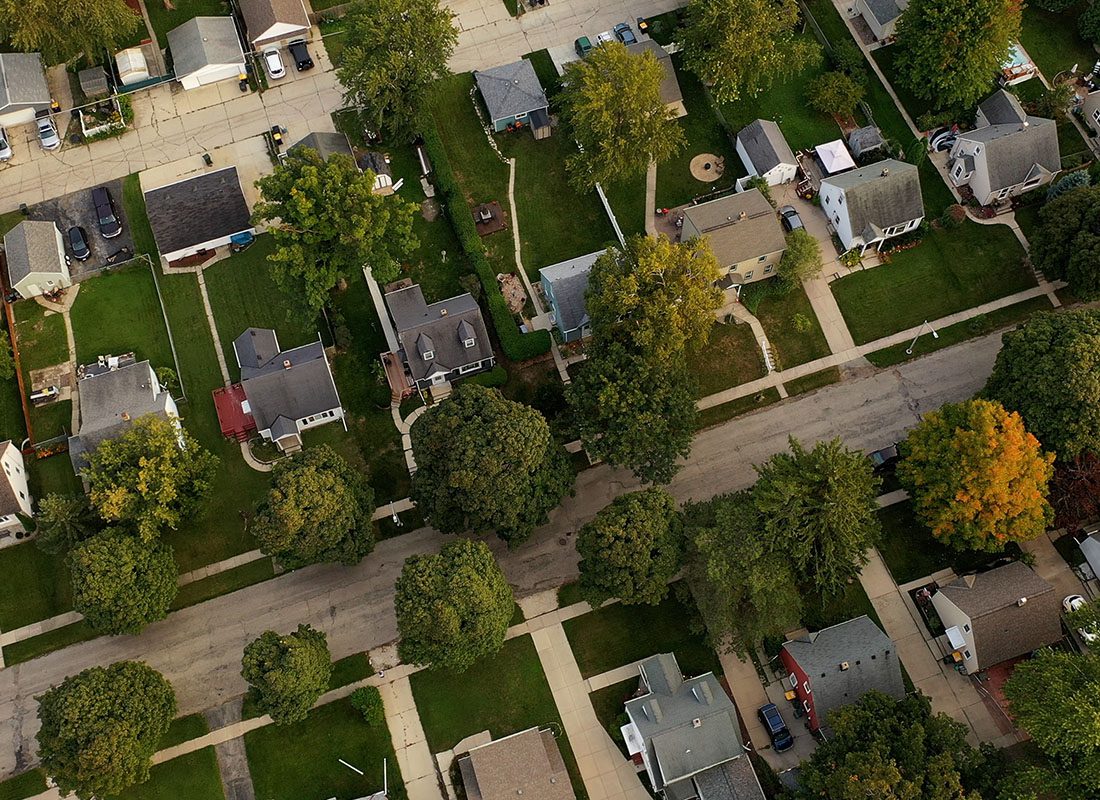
(64, 520)
(100, 728)
(1066, 244)
(621, 138)
(820, 504)
(1075, 491)
(318, 509)
(487, 463)
(801, 260)
(151, 477)
(978, 479)
(121, 583)
(1049, 371)
(328, 223)
(947, 50)
(287, 673)
(452, 608)
(632, 549)
(835, 93)
(396, 50)
(61, 30)
(739, 48)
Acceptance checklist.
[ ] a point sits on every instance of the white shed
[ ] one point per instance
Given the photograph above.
(131, 66)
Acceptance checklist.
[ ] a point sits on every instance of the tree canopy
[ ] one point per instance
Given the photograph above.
(327, 223)
(61, 30)
(618, 138)
(632, 549)
(487, 463)
(64, 520)
(151, 477)
(835, 93)
(1066, 244)
(739, 48)
(1048, 370)
(395, 50)
(286, 673)
(452, 608)
(978, 479)
(318, 509)
(801, 260)
(100, 727)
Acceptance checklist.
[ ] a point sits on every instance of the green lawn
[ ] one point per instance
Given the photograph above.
(1053, 42)
(9, 220)
(951, 270)
(609, 704)
(1027, 217)
(52, 474)
(133, 202)
(777, 313)
(618, 634)
(164, 20)
(57, 639)
(119, 312)
(23, 786)
(40, 337)
(627, 199)
(223, 583)
(335, 38)
(36, 586)
(184, 729)
(350, 669)
(194, 776)
(822, 612)
(731, 357)
(300, 761)
(815, 380)
(716, 415)
(12, 423)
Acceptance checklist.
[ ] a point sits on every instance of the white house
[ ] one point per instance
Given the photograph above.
(206, 50)
(23, 89)
(765, 152)
(1008, 153)
(274, 23)
(1090, 108)
(37, 262)
(197, 215)
(15, 497)
(869, 205)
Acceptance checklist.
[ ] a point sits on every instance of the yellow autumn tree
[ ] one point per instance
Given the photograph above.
(978, 479)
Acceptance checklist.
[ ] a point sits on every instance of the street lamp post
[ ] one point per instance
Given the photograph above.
(920, 330)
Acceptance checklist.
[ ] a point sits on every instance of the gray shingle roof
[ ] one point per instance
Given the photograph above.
(31, 246)
(293, 383)
(254, 348)
(1090, 549)
(439, 322)
(876, 201)
(1012, 150)
(885, 10)
(202, 42)
(734, 238)
(511, 89)
(200, 209)
(1002, 107)
(734, 780)
(261, 15)
(569, 281)
(22, 80)
(864, 139)
(93, 81)
(326, 144)
(527, 763)
(670, 86)
(766, 145)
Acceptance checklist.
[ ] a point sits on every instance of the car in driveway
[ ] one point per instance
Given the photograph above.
(624, 33)
(790, 219)
(776, 727)
(5, 146)
(300, 54)
(1075, 602)
(273, 63)
(78, 243)
(47, 133)
(109, 226)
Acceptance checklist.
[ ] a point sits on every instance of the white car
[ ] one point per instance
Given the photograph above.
(273, 62)
(605, 37)
(5, 146)
(1076, 602)
(47, 134)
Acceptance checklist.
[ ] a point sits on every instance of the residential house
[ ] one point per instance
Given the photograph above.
(512, 93)
(206, 50)
(527, 764)
(274, 23)
(865, 141)
(15, 497)
(671, 95)
(881, 16)
(836, 666)
(744, 233)
(764, 152)
(1090, 110)
(1090, 549)
(871, 204)
(995, 616)
(194, 216)
(564, 285)
(687, 733)
(1008, 153)
(440, 342)
(23, 89)
(330, 144)
(115, 391)
(37, 262)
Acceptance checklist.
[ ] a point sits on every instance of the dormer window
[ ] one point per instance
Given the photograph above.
(469, 343)
(428, 355)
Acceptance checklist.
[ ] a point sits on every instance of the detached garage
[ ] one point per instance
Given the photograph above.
(23, 89)
(274, 23)
(194, 217)
(205, 50)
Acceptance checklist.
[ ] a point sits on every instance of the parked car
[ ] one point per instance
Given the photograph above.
(78, 243)
(776, 727)
(273, 62)
(300, 54)
(624, 33)
(1076, 602)
(47, 134)
(604, 38)
(5, 146)
(885, 458)
(790, 219)
(583, 46)
(109, 226)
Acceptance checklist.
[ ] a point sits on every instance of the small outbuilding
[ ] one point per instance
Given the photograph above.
(863, 141)
(36, 258)
(834, 157)
(671, 95)
(513, 94)
(764, 152)
(93, 82)
(206, 50)
(565, 285)
(197, 215)
(326, 143)
(132, 66)
(274, 23)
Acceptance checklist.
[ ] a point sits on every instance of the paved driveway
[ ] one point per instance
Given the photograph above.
(76, 209)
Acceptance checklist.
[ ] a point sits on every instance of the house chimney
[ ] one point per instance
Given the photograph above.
(742, 215)
(843, 666)
(442, 312)
(286, 364)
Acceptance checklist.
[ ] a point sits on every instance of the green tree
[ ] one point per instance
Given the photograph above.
(820, 504)
(100, 727)
(452, 608)
(1068, 182)
(947, 50)
(151, 477)
(1048, 370)
(655, 294)
(487, 463)
(739, 48)
(634, 411)
(617, 139)
(802, 259)
(1066, 244)
(121, 583)
(835, 93)
(632, 549)
(61, 30)
(287, 673)
(318, 509)
(327, 223)
(395, 50)
(1088, 24)
(64, 520)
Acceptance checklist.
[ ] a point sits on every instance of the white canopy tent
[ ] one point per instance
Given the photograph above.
(834, 157)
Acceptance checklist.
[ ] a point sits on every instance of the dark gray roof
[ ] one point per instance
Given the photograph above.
(569, 281)
(740, 226)
(261, 15)
(283, 427)
(9, 503)
(511, 89)
(880, 195)
(670, 86)
(884, 11)
(989, 592)
(202, 42)
(22, 81)
(254, 348)
(864, 139)
(872, 663)
(1090, 549)
(766, 145)
(326, 144)
(31, 246)
(200, 209)
(734, 780)
(375, 162)
(293, 383)
(1001, 108)
(440, 323)
(93, 81)
(1018, 150)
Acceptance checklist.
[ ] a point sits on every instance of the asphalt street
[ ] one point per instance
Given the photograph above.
(199, 649)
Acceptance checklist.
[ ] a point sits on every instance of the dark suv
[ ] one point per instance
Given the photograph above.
(300, 54)
(776, 727)
(109, 225)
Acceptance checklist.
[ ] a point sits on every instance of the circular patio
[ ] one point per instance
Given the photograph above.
(707, 167)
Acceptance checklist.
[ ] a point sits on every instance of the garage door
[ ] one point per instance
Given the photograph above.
(22, 116)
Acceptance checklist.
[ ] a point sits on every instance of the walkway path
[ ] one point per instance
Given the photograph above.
(63, 308)
(414, 758)
(231, 755)
(651, 199)
(828, 314)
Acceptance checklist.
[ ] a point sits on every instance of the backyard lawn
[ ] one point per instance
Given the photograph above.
(164, 20)
(118, 312)
(194, 776)
(731, 357)
(609, 704)
(1053, 42)
(951, 270)
(12, 424)
(782, 315)
(627, 199)
(40, 336)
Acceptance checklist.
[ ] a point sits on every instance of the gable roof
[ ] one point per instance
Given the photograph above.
(22, 80)
(885, 11)
(767, 147)
(1014, 150)
(879, 196)
(1090, 549)
(261, 15)
(434, 328)
(569, 282)
(293, 383)
(31, 246)
(528, 763)
(326, 144)
(670, 86)
(511, 89)
(202, 42)
(740, 226)
(863, 139)
(9, 503)
(988, 592)
(196, 210)
(1001, 107)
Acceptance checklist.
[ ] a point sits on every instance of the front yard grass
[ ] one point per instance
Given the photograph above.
(1053, 42)
(119, 312)
(28, 649)
(184, 729)
(716, 415)
(36, 586)
(780, 315)
(731, 357)
(194, 776)
(815, 380)
(27, 784)
(951, 270)
(609, 703)
(301, 761)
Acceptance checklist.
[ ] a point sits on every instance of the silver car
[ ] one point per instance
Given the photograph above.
(47, 134)
(5, 146)
(274, 63)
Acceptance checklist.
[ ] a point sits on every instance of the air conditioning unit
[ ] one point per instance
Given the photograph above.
(843, 666)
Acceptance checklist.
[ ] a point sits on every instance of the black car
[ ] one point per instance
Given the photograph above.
(109, 226)
(78, 243)
(300, 55)
(776, 727)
